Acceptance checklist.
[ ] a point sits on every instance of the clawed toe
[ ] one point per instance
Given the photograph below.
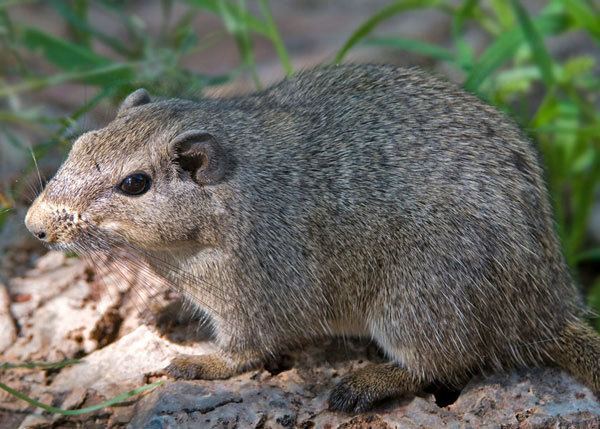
(201, 367)
(349, 398)
(183, 368)
(361, 390)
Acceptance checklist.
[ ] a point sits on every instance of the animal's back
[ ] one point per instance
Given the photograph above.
(420, 211)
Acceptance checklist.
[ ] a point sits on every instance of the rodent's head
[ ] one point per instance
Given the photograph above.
(155, 177)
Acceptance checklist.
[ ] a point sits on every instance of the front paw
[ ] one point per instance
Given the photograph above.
(202, 367)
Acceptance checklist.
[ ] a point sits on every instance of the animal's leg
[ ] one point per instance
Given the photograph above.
(360, 390)
(215, 366)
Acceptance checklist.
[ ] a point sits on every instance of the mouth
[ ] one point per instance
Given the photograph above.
(80, 243)
(63, 247)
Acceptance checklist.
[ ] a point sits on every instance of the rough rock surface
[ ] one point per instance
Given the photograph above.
(536, 398)
(8, 332)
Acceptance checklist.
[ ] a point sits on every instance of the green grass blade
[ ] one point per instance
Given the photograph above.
(216, 7)
(505, 47)
(585, 15)
(84, 27)
(517, 77)
(91, 67)
(276, 38)
(460, 17)
(503, 12)
(40, 365)
(80, 10)
(462, 14)
(54, 410)
(4, 213)
(385, 13)
(416, 46)
(236, 24)
(112, 73)
(536, 43)
(66, 55)
(244, 40)
(28, 117)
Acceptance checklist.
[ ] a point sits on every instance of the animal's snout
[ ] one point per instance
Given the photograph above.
(53, 223)
(37, 221)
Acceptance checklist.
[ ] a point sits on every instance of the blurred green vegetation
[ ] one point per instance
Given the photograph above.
(555, 101)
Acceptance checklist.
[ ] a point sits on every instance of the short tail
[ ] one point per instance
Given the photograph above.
(578, 352)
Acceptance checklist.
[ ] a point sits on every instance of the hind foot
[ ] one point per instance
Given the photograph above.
(362, 389)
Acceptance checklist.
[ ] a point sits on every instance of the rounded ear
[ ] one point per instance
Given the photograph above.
(136, 98)
(199, 154)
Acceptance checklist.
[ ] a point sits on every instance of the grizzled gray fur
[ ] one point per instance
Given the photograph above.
(356, 200)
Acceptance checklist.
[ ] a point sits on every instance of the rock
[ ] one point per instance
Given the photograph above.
(53, 274)
(534, 398)
(189, 404)
(123, 364)
(57, 311)
(36, 421)
(537, 398)
(8, 332)
(66, 308)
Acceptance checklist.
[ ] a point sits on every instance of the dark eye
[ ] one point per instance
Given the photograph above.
(135, 184)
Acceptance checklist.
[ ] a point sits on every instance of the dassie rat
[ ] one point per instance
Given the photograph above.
(362, 200)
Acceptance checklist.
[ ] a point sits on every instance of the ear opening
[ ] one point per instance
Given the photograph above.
(199, 154)
(136, 98)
